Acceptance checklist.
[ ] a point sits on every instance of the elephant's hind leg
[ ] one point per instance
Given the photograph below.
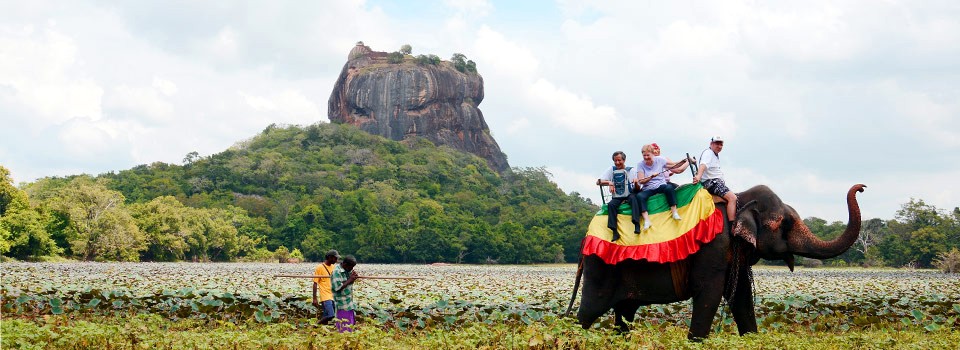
(624, 312)
(588, 317)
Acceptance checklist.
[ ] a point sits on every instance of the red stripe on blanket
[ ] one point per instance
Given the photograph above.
(663, 252)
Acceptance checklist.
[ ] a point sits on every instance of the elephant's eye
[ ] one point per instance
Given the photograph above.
(786, 224)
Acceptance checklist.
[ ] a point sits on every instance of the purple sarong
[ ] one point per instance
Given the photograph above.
(345, 319)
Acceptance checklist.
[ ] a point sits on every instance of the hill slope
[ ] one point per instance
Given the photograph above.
(334, 186)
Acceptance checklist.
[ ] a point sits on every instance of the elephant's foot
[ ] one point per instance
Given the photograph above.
(694, 338)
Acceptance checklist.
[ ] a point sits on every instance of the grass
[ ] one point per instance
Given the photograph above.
(155, 332)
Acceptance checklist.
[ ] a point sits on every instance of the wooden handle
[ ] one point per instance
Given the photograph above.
(366, 277)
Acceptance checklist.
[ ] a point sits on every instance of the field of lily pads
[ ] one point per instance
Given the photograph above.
(449, 296)
(456, 297)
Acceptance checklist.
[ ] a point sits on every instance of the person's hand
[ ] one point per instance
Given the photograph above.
(353, 276)
(316, 304)
(696, 179)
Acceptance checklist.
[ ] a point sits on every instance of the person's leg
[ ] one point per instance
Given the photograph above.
(719, 188)
(345, 320)
(642, 200)
(613, 209)
(671, 195)
(327, 311)
(634, 212)
(731, 206)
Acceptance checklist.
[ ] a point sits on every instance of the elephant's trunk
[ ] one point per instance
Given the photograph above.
(806, 244)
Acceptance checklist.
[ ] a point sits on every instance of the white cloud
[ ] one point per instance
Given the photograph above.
(935, 119)
(518, 125)
(813, 32)
(38, 68)
(289, 105)
(166, 87)
(84, 138)
(477, 8)
(574, 112)
(508, 58)
(683, 40)
(132, 102)
(225, 45)
(583, 183)
(802, 90)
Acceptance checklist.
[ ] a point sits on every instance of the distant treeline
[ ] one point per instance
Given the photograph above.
(918, 236)
(297, 192)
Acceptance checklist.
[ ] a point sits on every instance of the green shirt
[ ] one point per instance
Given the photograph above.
(343, 299)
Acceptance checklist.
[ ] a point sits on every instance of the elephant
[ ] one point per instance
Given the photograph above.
(764, 227)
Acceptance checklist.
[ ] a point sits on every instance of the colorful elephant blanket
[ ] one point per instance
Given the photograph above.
(668, 240)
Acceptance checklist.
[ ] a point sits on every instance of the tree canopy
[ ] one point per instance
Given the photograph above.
(324, 186)
(309, 189)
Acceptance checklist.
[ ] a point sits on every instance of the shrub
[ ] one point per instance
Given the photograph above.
(812, 263)
(422, 60)
(406, 49)
(459, 61)
(948, 262)
(295, 256)
(282, 254)
(258, 255)
(395, 57)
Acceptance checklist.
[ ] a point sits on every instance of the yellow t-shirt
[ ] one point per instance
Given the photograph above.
(323, 284)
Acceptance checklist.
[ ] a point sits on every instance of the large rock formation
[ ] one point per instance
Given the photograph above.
(401, 100)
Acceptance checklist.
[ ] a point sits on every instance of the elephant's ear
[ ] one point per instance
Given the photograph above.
(746, 224)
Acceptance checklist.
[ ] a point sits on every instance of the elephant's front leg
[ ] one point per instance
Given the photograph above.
(742, 304)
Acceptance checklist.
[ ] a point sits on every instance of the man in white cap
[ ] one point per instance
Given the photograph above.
(710, 175)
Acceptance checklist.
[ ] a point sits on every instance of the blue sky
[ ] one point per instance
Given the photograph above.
(812, 96)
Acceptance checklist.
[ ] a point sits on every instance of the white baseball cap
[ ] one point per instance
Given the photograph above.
(716, 139)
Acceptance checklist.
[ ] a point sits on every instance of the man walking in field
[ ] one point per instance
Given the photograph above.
(322, 285)
(342, 283)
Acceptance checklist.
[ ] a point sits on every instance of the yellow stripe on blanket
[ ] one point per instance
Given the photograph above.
(664, 228)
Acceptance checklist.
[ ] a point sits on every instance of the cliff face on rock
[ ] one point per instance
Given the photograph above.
(407, 99)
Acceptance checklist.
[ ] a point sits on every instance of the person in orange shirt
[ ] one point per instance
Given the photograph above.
(326, 307)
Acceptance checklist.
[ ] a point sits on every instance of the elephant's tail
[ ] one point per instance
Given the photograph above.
(576, 283)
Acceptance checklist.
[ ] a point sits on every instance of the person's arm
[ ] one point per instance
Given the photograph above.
(646, 178)
(315, 303)
(634, 179)
(679, 169)
(349, 281)
(606, 178)
(700, 170)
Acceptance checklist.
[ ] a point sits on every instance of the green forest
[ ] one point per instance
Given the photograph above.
(296, 192)
(293, 192)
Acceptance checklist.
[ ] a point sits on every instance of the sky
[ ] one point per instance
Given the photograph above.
(811, 97)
